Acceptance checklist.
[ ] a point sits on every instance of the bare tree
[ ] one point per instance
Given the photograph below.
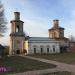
(2, 20)
(72, 38)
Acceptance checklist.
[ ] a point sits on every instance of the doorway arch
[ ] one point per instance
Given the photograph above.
(17, 51)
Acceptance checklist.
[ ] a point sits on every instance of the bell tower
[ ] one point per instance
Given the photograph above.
(56, 32)
(17, 35)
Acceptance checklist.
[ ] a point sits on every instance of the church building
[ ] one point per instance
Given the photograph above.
(20, 43)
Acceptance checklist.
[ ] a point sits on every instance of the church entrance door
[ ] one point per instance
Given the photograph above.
(18, 52)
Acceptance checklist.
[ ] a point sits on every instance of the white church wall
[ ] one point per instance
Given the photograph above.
(44, 46)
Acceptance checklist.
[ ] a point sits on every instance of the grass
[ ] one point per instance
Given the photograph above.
(60, 73)
(3, 74)
(68, 58)
(16, 64)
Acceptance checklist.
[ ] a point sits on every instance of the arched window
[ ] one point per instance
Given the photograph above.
(48, 48)
(35, 48)
(61, 34)
(55, 35)
(41, 48)
(50, 35)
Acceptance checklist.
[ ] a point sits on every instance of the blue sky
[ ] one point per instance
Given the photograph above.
(38, 15)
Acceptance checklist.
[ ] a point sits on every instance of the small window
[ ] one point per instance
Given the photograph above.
(47, 50)
(53, 48)
(34, 50)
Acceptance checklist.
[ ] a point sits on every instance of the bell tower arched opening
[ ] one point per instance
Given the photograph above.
(17, 29)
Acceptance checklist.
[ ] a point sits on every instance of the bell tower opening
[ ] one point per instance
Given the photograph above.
(17, 28)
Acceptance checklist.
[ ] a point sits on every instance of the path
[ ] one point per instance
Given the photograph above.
(60, 67)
